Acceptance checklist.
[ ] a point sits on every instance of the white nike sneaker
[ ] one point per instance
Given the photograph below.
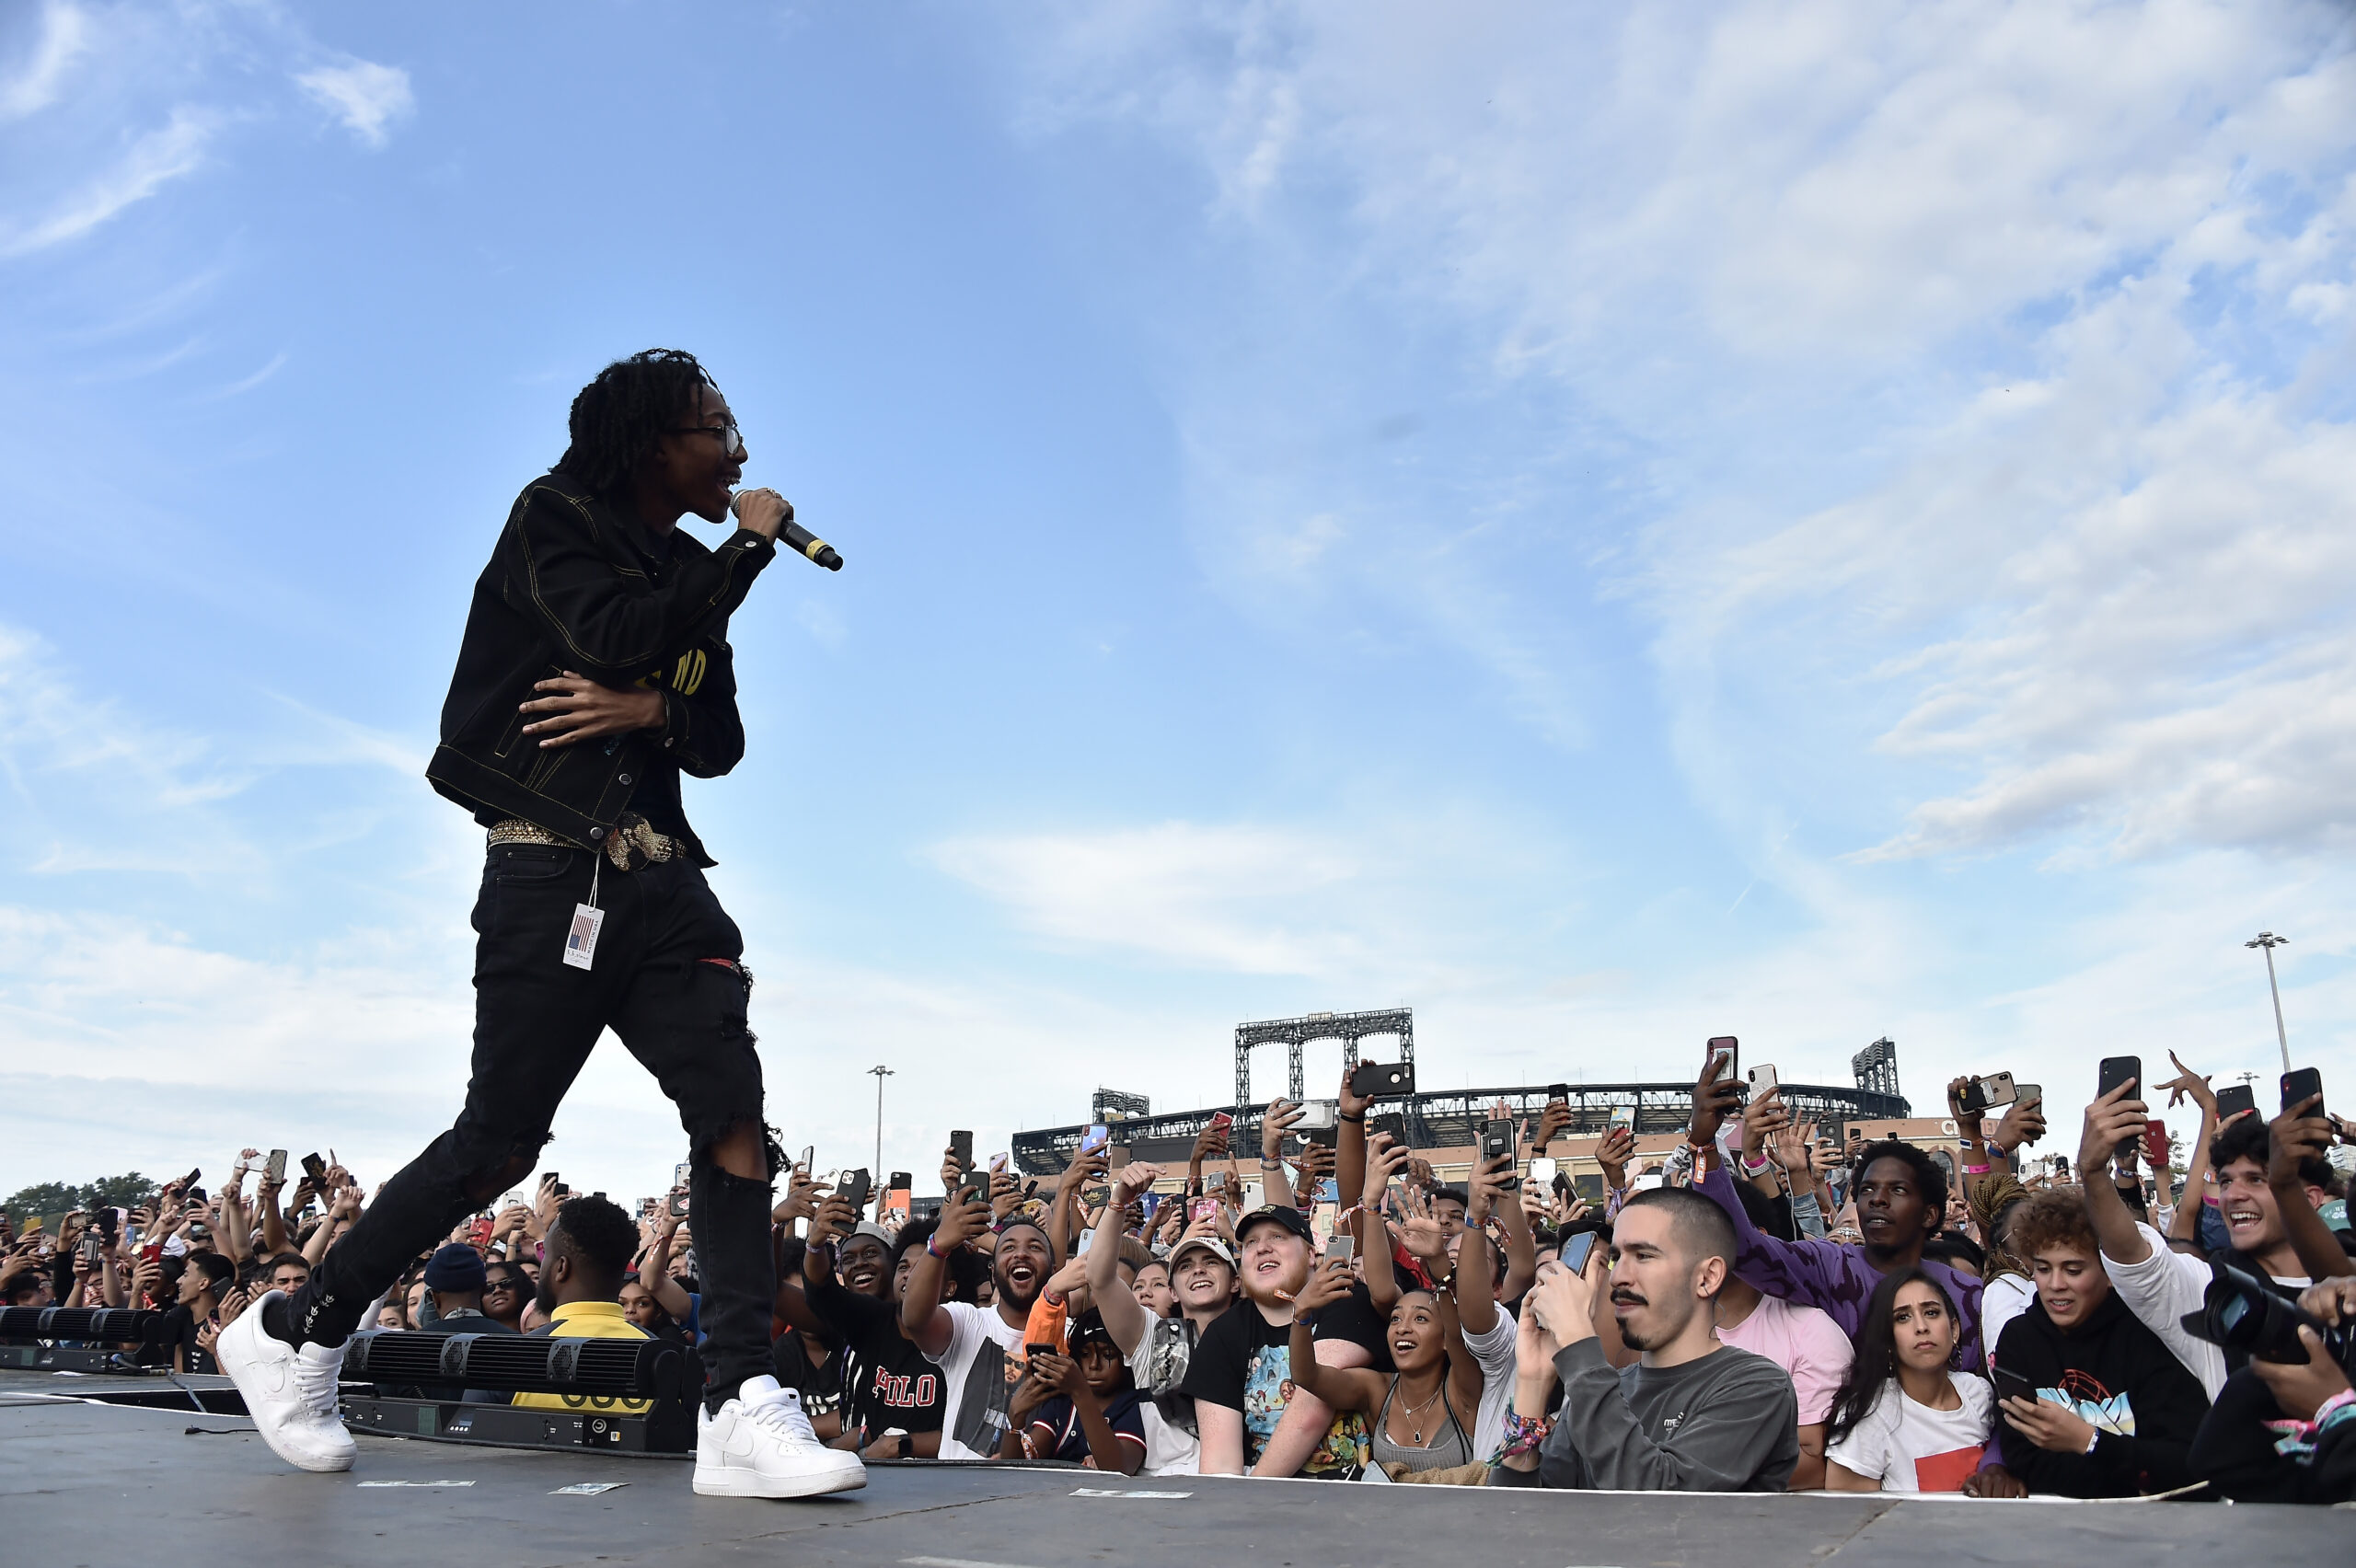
(760, 1444)
(290, 1393)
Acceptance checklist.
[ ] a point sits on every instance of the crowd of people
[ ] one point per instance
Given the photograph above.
(1770, 1310)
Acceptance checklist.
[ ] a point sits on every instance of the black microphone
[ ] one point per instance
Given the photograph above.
(792, 534)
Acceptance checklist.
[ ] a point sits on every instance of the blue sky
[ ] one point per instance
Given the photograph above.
(1605, 526)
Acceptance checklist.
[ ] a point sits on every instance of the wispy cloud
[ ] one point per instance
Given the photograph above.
(368, 97)
(65, 39)
(153, 161)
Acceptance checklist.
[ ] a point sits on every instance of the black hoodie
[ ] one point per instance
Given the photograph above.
(2122, 1380)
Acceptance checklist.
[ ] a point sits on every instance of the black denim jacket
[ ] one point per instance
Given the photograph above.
(574, 585)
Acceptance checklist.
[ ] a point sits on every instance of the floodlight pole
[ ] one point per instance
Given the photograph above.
(2270, 941)
(881, 1072)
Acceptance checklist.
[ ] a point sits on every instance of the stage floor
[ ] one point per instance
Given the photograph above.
(97, 1485)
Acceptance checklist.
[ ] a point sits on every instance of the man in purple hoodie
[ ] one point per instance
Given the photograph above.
(1901, 1198)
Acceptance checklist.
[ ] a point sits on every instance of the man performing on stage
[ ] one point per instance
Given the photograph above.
(594, 669)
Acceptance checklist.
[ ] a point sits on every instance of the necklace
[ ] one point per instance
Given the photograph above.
(1409, 1411)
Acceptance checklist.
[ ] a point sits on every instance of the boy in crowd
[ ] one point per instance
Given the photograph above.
(2113, 1412)
(1692, 1414)
(1082, 1406)
(1252, 1418)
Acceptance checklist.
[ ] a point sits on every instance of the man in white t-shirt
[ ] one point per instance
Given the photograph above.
(970, 1344)
(2161, 1286)
(1805, 1342)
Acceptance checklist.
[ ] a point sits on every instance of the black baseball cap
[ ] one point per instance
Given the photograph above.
(1292, 1219)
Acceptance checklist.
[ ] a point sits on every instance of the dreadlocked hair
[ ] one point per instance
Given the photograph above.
(620, 418)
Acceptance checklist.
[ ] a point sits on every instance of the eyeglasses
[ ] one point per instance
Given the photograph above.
(505, 1281)
(732, 439)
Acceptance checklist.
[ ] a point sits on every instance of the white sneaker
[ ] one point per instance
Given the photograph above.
(290, 1393)
(760, 1444)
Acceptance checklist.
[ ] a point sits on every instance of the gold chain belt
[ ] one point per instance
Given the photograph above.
(631, 843)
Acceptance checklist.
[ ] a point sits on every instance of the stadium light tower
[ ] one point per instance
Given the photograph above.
(881, 1072)
(2270, 941)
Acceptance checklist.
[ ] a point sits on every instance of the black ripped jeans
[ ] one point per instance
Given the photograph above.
(665, 980)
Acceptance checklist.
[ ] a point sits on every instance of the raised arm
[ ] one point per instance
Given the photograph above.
(2303, 1133)
(1349, 1145)
(1370, 1232)
(2110, 1119)
(1125, 1318)
(1340, 1388)
(1084, 1168)
(654, 1269)
(927, 1323)
(2184, 1225)
(1276, 1184)
(1475, 1285)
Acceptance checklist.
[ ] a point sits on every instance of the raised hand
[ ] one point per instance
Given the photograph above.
(1617, 1147)
(1327, 1282)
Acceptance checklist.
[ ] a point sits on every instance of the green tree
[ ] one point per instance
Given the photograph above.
(44, 1197)
(119, 1192)
(55, 1198)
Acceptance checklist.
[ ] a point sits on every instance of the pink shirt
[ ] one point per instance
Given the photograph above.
(1804, 1341)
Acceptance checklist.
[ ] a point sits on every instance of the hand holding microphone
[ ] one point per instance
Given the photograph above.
(768, 514)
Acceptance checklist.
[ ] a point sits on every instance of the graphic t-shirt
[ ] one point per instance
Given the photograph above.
(1158, 1363)
(977, 1376)
(887, 1381)
(1245, 1363)
(1911, 1447)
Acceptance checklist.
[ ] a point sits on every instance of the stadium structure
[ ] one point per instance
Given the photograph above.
(1436, 1120)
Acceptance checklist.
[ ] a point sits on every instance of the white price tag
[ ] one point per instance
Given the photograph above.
(581, 942)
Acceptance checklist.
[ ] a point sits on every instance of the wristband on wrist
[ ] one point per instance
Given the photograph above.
(1346, 1116)
(1975, 1171)
(1756, 1167)
(931, 1248)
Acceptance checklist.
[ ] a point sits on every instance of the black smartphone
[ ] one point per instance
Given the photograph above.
(1383, 1080)
(2298, 1084)
(2116, 1070)
(1723, 1052)
(678, 1206)
(107, 1219)
(901, 1180)
(961, 1149)
(854, 1188)
(190, 1181)
(1496, 1139)
(2235, 1098)
(2011, 1385)
(315, 1169)
(1561, 1091)
(1577, 1248)
(1036, 1350)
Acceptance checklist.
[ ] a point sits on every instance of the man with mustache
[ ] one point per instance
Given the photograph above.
(1692, 1414)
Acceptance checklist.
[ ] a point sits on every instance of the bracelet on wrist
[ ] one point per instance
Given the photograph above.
(1346, 1116)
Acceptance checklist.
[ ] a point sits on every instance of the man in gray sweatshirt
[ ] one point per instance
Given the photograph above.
(1692, 1414)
